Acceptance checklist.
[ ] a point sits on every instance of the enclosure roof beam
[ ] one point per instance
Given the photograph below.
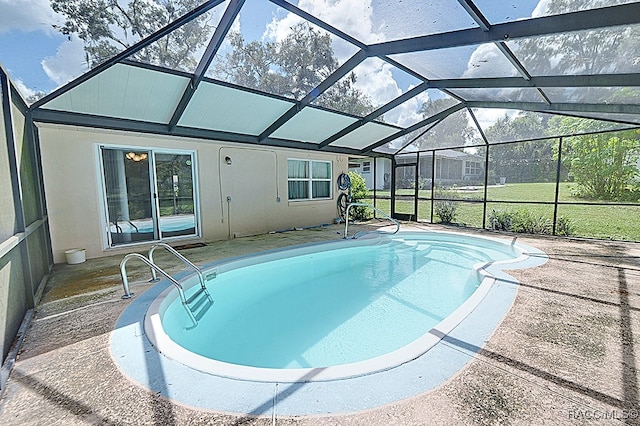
(314, 20)
(502, 46)
(377, 113)
(559, 107)
(595, 80)
(478, 126)
(418, 125)
(42, 115)
(626, 14)
(421, 134)
(217, 38)
(343, 70)
(475, 13)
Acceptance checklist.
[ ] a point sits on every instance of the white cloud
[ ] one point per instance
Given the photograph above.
(27, 15)
(407, 113)
(488, 116)
(488, 61)
(68, 63)
(23, 89)
(354, 15)
(374, 78)
(541, 9)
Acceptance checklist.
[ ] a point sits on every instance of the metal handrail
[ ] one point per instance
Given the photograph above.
(179, 256)
(125, 280)
(386, 216)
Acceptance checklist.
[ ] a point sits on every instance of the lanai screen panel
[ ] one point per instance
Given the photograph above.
(125, 91)
(218, 107)
(600, 51)
(629, 119)
(262, 52)
(313, 125)
(411, 111)
(516, 125)
(385, 20)
(499, 11)
(475, 61)
(525, 94)
(366, 135)
(370, 85)
(183, 48)
(502, 125)
(594, 95)
(453, 131)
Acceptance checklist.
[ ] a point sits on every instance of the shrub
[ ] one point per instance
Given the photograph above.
(359, 194)
(500, 220)
(565, 226)
(519, 221)
(446, 210)
(528, 223)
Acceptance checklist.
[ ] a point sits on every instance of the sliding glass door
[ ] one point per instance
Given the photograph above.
(176, 203)
(149, 195)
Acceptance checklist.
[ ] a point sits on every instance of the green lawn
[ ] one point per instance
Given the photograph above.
(603, 222)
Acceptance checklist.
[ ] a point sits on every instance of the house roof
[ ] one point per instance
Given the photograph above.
(479, 58)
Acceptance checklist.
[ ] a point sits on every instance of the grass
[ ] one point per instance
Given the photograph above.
(616, 222)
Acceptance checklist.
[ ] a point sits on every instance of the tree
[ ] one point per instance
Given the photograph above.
(604, 165)
(452, 131)
(530, 161)
(291, 68)
(606, 50)
(106, 27)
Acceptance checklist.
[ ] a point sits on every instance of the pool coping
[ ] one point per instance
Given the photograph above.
(135, 355)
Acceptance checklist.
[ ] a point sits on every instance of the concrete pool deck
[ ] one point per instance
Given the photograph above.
(566, 353)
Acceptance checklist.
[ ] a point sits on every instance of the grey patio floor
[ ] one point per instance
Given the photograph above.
(565, 354)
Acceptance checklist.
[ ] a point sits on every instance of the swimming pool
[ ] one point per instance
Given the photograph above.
(334, 310)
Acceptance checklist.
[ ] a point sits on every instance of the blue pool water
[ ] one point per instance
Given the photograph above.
(335, 304)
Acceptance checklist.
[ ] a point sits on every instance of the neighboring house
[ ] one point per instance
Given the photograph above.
(451, 167)
(378, 172)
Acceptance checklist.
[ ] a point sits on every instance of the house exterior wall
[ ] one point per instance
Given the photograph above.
(382, 172)
(255, 182)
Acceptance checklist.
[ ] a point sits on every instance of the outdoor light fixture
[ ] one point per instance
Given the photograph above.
(136, 157)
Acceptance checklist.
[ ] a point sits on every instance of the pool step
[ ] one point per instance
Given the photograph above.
(418, 246)
(199, 303)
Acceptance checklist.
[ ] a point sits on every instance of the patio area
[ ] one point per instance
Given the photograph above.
(566, 353)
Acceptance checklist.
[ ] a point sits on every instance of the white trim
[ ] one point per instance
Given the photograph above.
(153, 151)
(310, 180)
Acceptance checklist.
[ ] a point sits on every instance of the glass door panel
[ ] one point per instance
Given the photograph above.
(176, 203)
(128, 196)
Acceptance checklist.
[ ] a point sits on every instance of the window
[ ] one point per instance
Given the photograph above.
(471, 168)
(366, 167)
(308, 179)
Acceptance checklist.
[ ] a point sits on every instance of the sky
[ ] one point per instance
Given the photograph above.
(39, 58)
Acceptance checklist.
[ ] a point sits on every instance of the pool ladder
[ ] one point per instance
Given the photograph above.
(196, 305)
(386, 216)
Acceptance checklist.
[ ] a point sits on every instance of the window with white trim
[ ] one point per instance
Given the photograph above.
(472, 168)
(309, 179)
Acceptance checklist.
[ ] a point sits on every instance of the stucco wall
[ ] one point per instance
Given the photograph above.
(255, 181)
